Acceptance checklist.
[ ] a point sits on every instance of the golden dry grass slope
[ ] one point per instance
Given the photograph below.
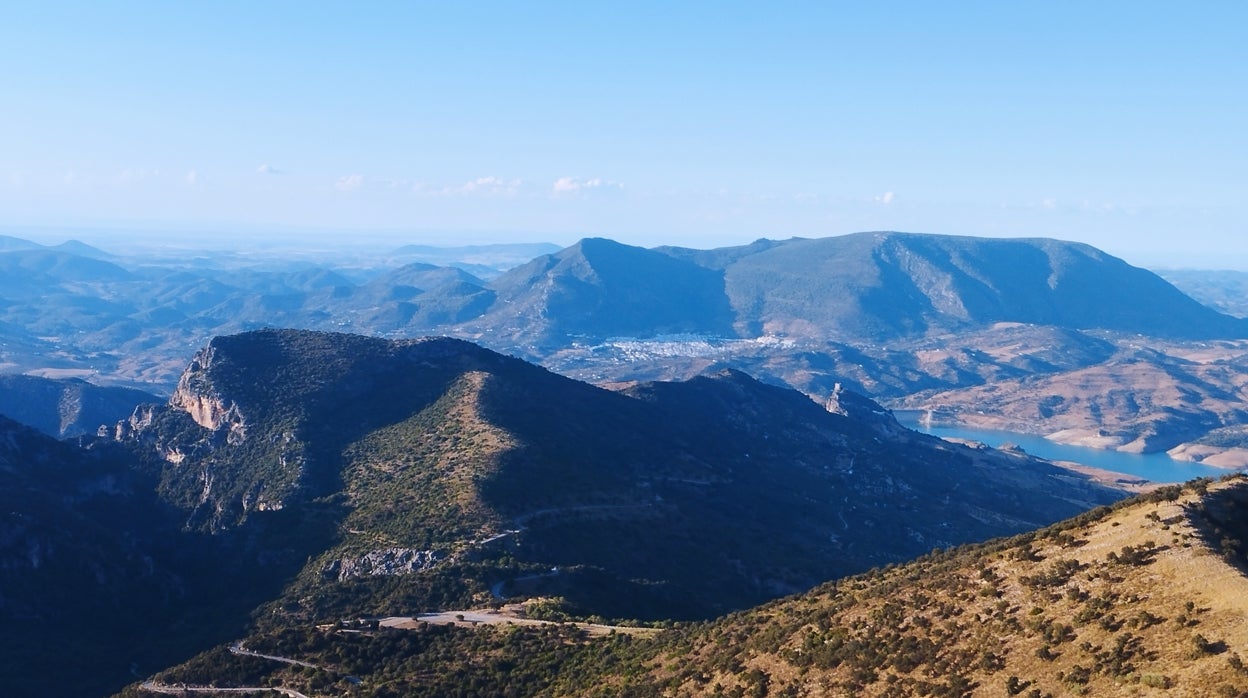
(1137, 600)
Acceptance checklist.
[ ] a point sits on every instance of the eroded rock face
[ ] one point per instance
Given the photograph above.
(210, 410)
(387, 562)
(847, 403)
(140, 419)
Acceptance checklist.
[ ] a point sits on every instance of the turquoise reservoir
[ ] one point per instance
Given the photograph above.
(1157, 467)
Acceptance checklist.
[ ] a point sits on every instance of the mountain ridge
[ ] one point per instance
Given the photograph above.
(898, 316)
(273, 424)
(598, 288)
(890, 284)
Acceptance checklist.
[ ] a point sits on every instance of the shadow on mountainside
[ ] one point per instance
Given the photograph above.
(1221, 518)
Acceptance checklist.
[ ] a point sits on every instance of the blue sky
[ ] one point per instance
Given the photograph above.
(703, 124)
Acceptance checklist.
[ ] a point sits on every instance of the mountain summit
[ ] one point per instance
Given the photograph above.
(887, 284)
(600, 288)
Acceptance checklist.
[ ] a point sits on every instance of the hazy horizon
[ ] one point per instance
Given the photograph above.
(1117, 125)
(125, 240)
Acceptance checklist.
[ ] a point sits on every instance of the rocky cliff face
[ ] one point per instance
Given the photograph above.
(387, 562)
(196, 396)
(258, 421)
(847, 403)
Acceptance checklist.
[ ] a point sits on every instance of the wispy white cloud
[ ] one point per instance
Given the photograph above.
(573, 185)
(491, 186)
(132, 175)
(349, 182)
(267, 169)
(886, 198)
(192, 177)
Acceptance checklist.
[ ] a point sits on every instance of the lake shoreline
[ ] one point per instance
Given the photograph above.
(1122, 469)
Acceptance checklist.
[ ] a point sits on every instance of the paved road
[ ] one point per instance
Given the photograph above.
(179, 689)
(237, 648)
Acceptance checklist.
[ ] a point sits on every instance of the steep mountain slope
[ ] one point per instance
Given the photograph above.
(1129, 601)
(91, 569)
(64, 408)
(1144, 598)
(600, 288)
(409, 476)
(435, 469)
(882, 285)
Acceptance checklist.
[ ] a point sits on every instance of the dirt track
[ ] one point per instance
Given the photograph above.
(508, 615)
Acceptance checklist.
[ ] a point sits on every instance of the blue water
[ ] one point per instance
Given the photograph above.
(1157, 467)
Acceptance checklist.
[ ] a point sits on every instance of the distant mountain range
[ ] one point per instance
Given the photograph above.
(483, 261)
(887, 285)
(921, 321)
(857, 289)
(308, 477)
(867, 287)
(9, 243)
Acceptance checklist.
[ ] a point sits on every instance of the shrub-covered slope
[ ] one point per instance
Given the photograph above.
(423, 471)
(1144, 598)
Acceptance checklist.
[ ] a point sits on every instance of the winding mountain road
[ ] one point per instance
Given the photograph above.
(179, 689)
(237, 648)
